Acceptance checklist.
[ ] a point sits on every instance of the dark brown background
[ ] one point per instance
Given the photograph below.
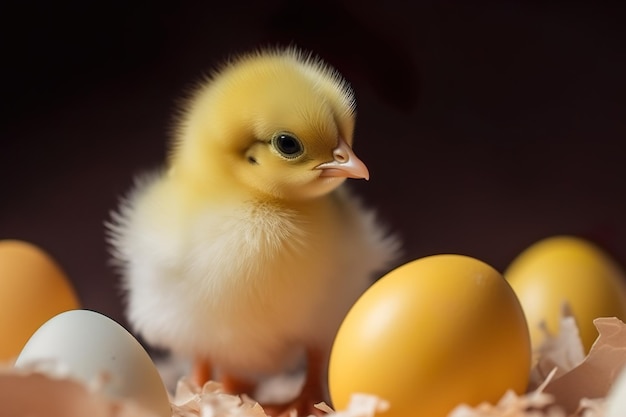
(485, 127)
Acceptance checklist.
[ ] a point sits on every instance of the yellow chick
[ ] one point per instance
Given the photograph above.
(245, 254)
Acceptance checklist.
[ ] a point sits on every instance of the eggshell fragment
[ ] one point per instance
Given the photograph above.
(594, 377)
(559, 353)
(33, 394)
(616, 400)
(93, 348)
(33, 288)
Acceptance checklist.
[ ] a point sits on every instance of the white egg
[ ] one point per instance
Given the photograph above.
(91, 345)
(616, 399)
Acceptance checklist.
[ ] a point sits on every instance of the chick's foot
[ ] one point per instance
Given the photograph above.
(311, 393)
(303, 406)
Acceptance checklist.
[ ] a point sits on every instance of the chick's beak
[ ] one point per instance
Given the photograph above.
(344, 164)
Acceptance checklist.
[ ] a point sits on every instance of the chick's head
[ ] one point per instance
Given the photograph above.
(275, 123)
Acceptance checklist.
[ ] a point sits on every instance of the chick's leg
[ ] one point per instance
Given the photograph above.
(312, 391)
(235, 386)
(202, 371)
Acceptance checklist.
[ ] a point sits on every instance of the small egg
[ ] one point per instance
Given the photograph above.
(567, 269)
(89, 346)
(433, 333)
(33, 288)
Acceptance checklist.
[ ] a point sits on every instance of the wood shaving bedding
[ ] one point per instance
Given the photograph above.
(563, 384)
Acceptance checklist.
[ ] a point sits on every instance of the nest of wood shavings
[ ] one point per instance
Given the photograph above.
(568, 384)
(209, 401)
(564, 383)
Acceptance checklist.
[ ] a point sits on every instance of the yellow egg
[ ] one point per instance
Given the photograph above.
(436, 332)
(567, 269)
(33, 288)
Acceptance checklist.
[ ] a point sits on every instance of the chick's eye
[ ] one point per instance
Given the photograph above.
(288, 145)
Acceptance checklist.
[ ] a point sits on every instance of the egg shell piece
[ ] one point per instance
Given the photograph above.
(616, 400)
(596, 375)
(436, 332)
(37, 395)
(33, 289)
(572, 270)
(90, 345)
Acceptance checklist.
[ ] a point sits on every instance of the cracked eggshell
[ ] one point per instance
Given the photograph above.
(92, 347)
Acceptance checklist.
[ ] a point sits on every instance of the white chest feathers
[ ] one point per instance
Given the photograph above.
(252, 274)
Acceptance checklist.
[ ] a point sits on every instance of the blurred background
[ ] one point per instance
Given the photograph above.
(486, 127)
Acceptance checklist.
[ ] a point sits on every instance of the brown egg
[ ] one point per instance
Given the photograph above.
(33, 289)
